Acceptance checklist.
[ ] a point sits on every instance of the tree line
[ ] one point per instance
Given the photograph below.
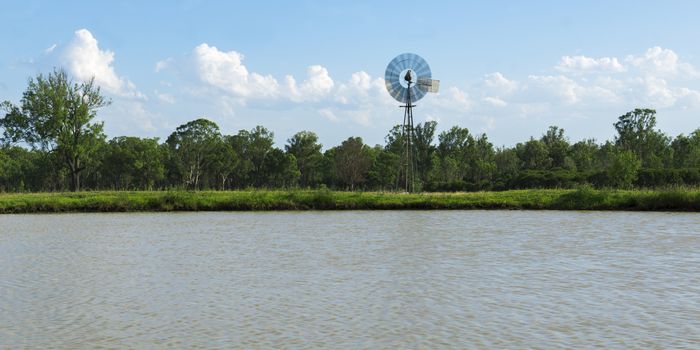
(51, 142)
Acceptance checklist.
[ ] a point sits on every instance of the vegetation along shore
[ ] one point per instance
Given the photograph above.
(584, 198)
(51, 143)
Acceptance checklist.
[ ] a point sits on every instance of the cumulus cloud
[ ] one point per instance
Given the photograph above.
(500, 84)
(317, 85)
(163, 64)
(658, 61)
(86, 60)
(362, 89)
(583, 64)
(559, 85)
(225, 70)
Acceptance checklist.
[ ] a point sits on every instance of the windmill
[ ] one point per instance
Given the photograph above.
(407, 80)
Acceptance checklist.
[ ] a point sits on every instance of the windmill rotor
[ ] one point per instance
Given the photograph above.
(421, 81)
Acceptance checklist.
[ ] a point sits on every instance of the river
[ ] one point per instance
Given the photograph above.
(351, 280)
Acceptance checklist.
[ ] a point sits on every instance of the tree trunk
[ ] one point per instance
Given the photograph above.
(74, 166)
(75, 180)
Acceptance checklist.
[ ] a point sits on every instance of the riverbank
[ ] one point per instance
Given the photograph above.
(126, 201)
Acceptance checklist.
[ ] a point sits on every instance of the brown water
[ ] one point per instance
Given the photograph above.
(374, 280)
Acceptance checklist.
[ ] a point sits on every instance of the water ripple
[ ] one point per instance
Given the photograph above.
(370, 280)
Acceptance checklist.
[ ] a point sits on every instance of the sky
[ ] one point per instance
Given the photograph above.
(508, 69)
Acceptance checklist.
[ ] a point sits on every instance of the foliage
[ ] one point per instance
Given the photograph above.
(623, 171)
(193, 147)
(583, 198)
(306, 150)
(56, 116)
(351, 162)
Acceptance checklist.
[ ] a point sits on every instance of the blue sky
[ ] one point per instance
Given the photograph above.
(507, 68)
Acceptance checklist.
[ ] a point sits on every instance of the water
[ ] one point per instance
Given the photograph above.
(373, 280)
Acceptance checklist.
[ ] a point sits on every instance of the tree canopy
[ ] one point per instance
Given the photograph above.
(56, 115)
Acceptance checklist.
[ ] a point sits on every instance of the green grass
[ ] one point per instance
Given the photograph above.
(122, 201)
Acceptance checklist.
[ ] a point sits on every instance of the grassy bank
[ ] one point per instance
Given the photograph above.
(118, 201)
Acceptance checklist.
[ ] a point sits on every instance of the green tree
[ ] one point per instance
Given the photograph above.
(481, 161)
(225, 161)
(636, 133)
(452, 152)
(352, 162)
(534, 155)
(583, 154)
(424, 149)
(281, 169)
(193, 146)
(623, 171)
(507, 166)
(132, 162)
(383, 174)
(686, 150)
(260, 141)
(56, 115)
(557, 147)
(307, 151)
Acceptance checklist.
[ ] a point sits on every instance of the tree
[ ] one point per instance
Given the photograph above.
(482, 164)
(193, 146)
(686, 150)
(507, 166)
(352, 162)
(56, 115)
(225, 161)
(305, 148)
(452, 153)
(259, 144)
(636, 133)
(557, 147)
(132, 162)
(240, 177)
(534, 155)
(583, 154)
(424, 149)
(384, 172)
(623, 170)
(281, 169)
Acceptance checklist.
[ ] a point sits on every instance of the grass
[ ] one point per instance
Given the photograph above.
(553, 199)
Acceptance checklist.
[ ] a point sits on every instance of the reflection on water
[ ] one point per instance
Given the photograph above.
(404, 279)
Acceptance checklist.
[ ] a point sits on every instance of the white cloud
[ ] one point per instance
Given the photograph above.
(455, 99)
(495, 101)
(561, 88)
(165, 98)
(658, 61)
(583, 64)
(163, 64)
(50, 49)
(558, 85)
(86, 60)
(328, 114)
(362, 89)
(225, 70)
(318, 85)
(501, 84)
